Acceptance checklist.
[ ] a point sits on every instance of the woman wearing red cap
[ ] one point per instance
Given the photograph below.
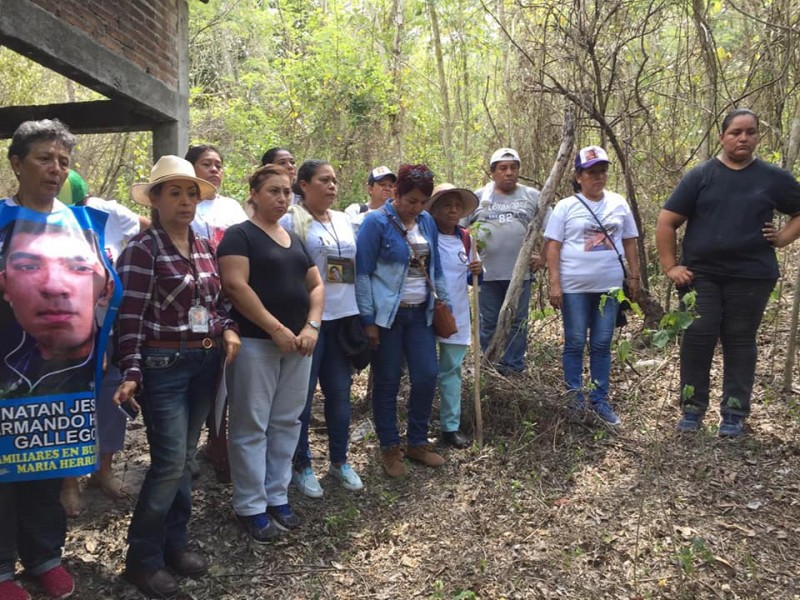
(588, 234)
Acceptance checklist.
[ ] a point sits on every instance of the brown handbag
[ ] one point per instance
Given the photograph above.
(444, 323)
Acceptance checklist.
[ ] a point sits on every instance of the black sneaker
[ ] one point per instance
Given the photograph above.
(690, 421)
(284, 517)
(260, 528)
(731, 426)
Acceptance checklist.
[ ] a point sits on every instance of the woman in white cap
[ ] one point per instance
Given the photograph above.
(460, 262)
(173, 333)
(588, 234)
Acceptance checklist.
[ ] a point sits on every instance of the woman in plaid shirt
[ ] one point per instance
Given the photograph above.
(172, 333)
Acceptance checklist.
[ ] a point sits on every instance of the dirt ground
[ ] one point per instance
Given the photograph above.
(545, 509)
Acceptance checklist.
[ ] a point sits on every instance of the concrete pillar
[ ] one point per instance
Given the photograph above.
(173, 137)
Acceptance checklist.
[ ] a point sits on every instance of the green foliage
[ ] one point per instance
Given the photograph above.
(675, 322)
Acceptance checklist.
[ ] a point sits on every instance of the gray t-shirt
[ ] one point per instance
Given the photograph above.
(503, 220)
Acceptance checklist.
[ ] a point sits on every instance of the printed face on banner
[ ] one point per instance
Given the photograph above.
(53, 281)
(56, 289)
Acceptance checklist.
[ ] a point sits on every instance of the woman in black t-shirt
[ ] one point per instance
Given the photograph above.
(728, 204)
(277, 297)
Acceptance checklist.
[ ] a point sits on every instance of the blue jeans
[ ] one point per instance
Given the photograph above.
(492, 295)
(33, 524)
(729, 310)
(582, 315)
(178, 388)
(331, 367)
(410, 335)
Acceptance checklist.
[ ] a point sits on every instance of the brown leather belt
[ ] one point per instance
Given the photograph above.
(415, 305)
(205, 343)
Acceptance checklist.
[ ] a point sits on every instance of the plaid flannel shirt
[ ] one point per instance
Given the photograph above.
(159, 288)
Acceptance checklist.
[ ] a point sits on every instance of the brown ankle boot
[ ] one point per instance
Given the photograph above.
(393, 462)
(425, 455)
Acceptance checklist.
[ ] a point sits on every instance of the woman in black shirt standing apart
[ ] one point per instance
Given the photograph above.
(277, 297)
(728, 204)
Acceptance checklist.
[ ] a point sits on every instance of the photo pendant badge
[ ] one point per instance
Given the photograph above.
(198, 319)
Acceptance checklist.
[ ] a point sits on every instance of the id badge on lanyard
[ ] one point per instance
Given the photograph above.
(198, 319)
(339, 269)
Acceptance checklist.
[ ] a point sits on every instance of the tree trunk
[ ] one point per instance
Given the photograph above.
(791, 347)
(397, 54)
(531, 242)
(447, 126)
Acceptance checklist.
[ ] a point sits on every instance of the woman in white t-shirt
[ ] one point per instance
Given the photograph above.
(212, 218)
(587, 235)
(328, 235)
(460, 263)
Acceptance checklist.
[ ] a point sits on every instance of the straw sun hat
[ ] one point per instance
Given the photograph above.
(169, 168)
(469, 199)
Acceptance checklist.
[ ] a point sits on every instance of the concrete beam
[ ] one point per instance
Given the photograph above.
(39, 35)
(101, 116)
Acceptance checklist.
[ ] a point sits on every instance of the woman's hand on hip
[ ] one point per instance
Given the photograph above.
(232, 343)
(307, 340)
(680, 275)
(373, 336)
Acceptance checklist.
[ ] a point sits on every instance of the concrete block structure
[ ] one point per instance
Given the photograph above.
(133, 52)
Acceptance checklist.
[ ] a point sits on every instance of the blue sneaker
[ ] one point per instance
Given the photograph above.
(731, 426)
(690, 421)
(284, 517)
(260, 528)
(347, 476)
(604, 412)
(306, 482)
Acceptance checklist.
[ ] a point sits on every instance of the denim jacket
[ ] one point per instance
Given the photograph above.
(382, 257)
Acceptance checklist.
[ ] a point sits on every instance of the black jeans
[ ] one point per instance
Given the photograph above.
(729, 310)
(33, 524)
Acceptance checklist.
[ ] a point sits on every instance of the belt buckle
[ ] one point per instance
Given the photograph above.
(208, 343)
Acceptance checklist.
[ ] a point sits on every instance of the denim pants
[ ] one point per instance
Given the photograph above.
(409, 335)
(178, 388)
(450, 358)
(331, 366)
(33, 524)
(582, 315)
(729, 310)
(493, 294)
(267, 391)
(111, 422)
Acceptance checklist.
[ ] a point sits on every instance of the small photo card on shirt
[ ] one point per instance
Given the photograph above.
(340, 270)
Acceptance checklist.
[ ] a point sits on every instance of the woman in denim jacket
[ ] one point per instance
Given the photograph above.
(396, 307)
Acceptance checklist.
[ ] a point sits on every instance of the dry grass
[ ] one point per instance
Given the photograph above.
(546, 509)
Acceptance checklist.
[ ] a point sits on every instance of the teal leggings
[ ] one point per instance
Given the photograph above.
(450, 358)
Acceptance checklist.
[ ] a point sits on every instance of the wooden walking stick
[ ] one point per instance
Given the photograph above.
(476, 352)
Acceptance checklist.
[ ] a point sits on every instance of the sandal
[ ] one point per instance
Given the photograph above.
(71, 501)
(110, 485)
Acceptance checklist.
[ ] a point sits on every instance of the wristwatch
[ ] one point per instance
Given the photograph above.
(314, 325)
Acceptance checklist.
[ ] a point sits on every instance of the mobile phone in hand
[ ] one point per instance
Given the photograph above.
(130, 412)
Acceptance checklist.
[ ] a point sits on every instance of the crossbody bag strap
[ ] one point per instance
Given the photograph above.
(605, 233)
(404, 234)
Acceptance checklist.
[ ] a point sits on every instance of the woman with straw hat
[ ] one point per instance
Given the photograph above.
(448, 205)
(172, 333)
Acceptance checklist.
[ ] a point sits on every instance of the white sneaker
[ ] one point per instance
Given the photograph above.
(306, 483)
(347, 477)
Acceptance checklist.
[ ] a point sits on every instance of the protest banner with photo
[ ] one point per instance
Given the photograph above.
(58, 300)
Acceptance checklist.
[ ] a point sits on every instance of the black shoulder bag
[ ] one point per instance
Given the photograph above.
(622, 320)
